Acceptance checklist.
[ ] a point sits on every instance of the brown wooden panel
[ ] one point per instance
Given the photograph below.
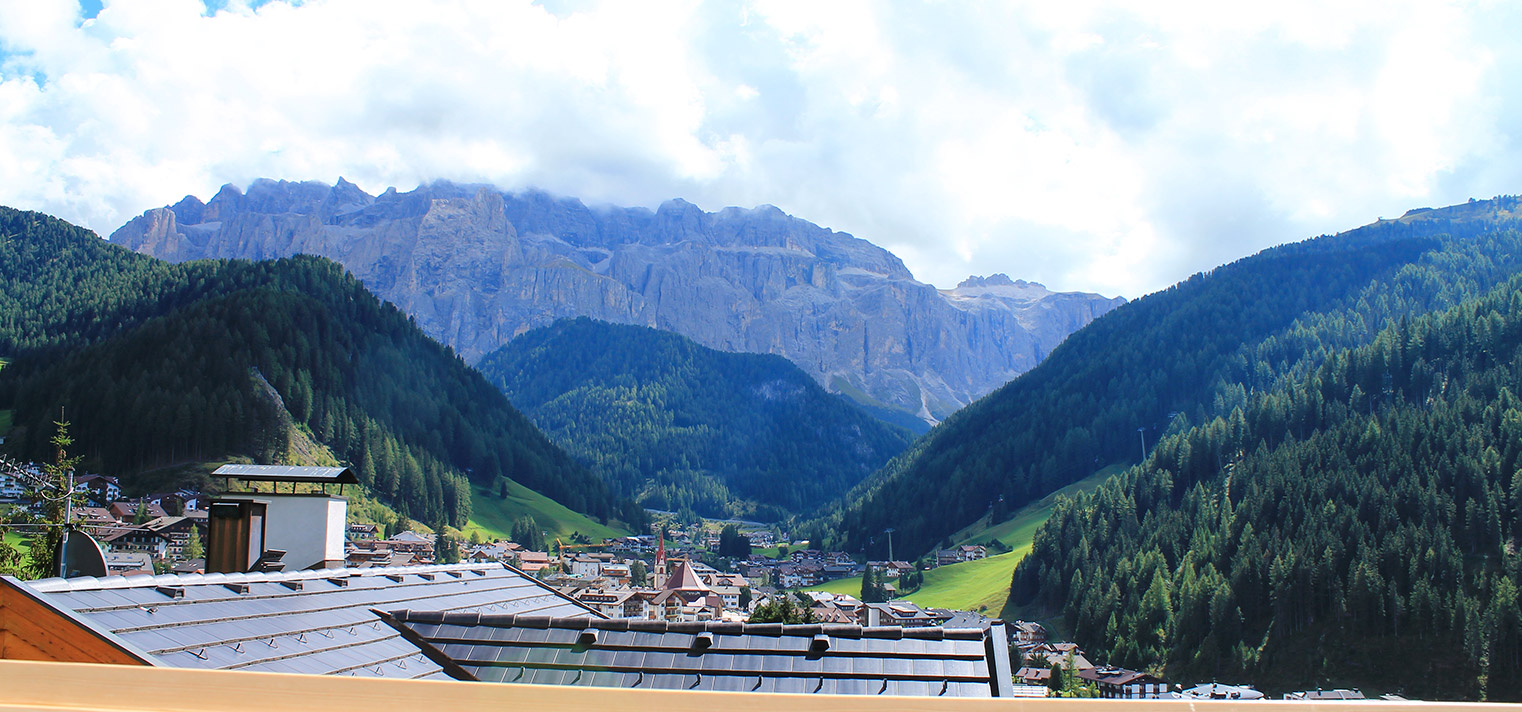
(36, 632)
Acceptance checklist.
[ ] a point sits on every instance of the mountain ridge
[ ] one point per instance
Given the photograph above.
(1184, 354)
(476, 266)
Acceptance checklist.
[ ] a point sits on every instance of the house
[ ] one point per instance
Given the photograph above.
(613, 603)
(1030, 691)
(176, 533)
(1324, 695)
(827, 614)
(361, 531)
(1123, 684)
(1217, 691)
(126, 511)
(712, 655)
(588, 565)
(189, 566)
(616, 573)
(12, 487)
(966, 552)
(730, 595)
(101, 489)
(1034, 675)
(317, 621)
(1059, 654)
(684, 596)
(129, 563)
(892, 569)
(132, 539)
(409, 542)
(94, 516)
(533, 561)
(1027, 633)
(500, 551)
(900, 613)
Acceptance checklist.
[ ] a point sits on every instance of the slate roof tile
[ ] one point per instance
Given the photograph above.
(297, 621)
(806, 659)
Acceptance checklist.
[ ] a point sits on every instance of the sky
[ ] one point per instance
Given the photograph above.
(1111, 147)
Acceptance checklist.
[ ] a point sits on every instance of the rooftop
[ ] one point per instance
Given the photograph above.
(711, 655)
(287, 473)
(316, 621)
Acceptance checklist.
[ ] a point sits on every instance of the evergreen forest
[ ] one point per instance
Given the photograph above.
(681, 427)
(1359, 526)
(1187, 354)
(158, 365)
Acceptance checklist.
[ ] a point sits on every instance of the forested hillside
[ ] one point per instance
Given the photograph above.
(683, 427)
(1358, 527)
(1183, 355)
(158, 364)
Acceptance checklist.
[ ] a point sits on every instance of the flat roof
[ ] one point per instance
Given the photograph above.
(288, 473)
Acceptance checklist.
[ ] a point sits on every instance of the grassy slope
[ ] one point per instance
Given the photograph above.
(984, 585)
(1017, 531)
(22, 544)
(494, 517)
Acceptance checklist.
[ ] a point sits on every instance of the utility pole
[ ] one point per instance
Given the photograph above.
(1142, 432)
(889, 530)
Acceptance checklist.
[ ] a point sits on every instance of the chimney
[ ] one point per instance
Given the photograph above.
(270, 531)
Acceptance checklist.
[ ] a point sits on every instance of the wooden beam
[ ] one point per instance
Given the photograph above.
(74, 686)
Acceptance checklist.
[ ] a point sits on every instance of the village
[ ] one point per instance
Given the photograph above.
(674, 576)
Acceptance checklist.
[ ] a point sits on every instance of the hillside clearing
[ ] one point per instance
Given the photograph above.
(1018, 530)
(493, 516)
(984, 585)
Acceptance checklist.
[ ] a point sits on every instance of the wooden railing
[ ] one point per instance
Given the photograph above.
(79, 686)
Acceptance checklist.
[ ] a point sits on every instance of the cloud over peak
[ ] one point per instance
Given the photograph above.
(1095, 146)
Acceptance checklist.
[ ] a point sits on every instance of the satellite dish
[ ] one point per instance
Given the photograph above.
(81, 555)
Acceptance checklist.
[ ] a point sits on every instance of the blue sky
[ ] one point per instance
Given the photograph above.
(1114, 147)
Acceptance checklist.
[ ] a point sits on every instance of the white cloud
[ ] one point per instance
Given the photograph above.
(1102, 146)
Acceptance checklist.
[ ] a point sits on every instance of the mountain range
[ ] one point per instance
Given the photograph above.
(475, 267)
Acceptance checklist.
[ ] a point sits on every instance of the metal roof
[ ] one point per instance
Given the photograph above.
(317, 621)
(288, 473)
(710, 655)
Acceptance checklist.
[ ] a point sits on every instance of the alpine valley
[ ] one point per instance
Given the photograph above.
(1318, 447)
(682, 427)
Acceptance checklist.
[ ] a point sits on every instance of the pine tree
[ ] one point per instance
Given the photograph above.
(45, 547)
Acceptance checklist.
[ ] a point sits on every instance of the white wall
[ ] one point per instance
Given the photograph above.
(310, 528)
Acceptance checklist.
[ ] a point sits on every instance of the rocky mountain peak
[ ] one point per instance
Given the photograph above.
(476, 266)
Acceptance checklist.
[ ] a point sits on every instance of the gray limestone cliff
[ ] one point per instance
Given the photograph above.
(476, 266)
